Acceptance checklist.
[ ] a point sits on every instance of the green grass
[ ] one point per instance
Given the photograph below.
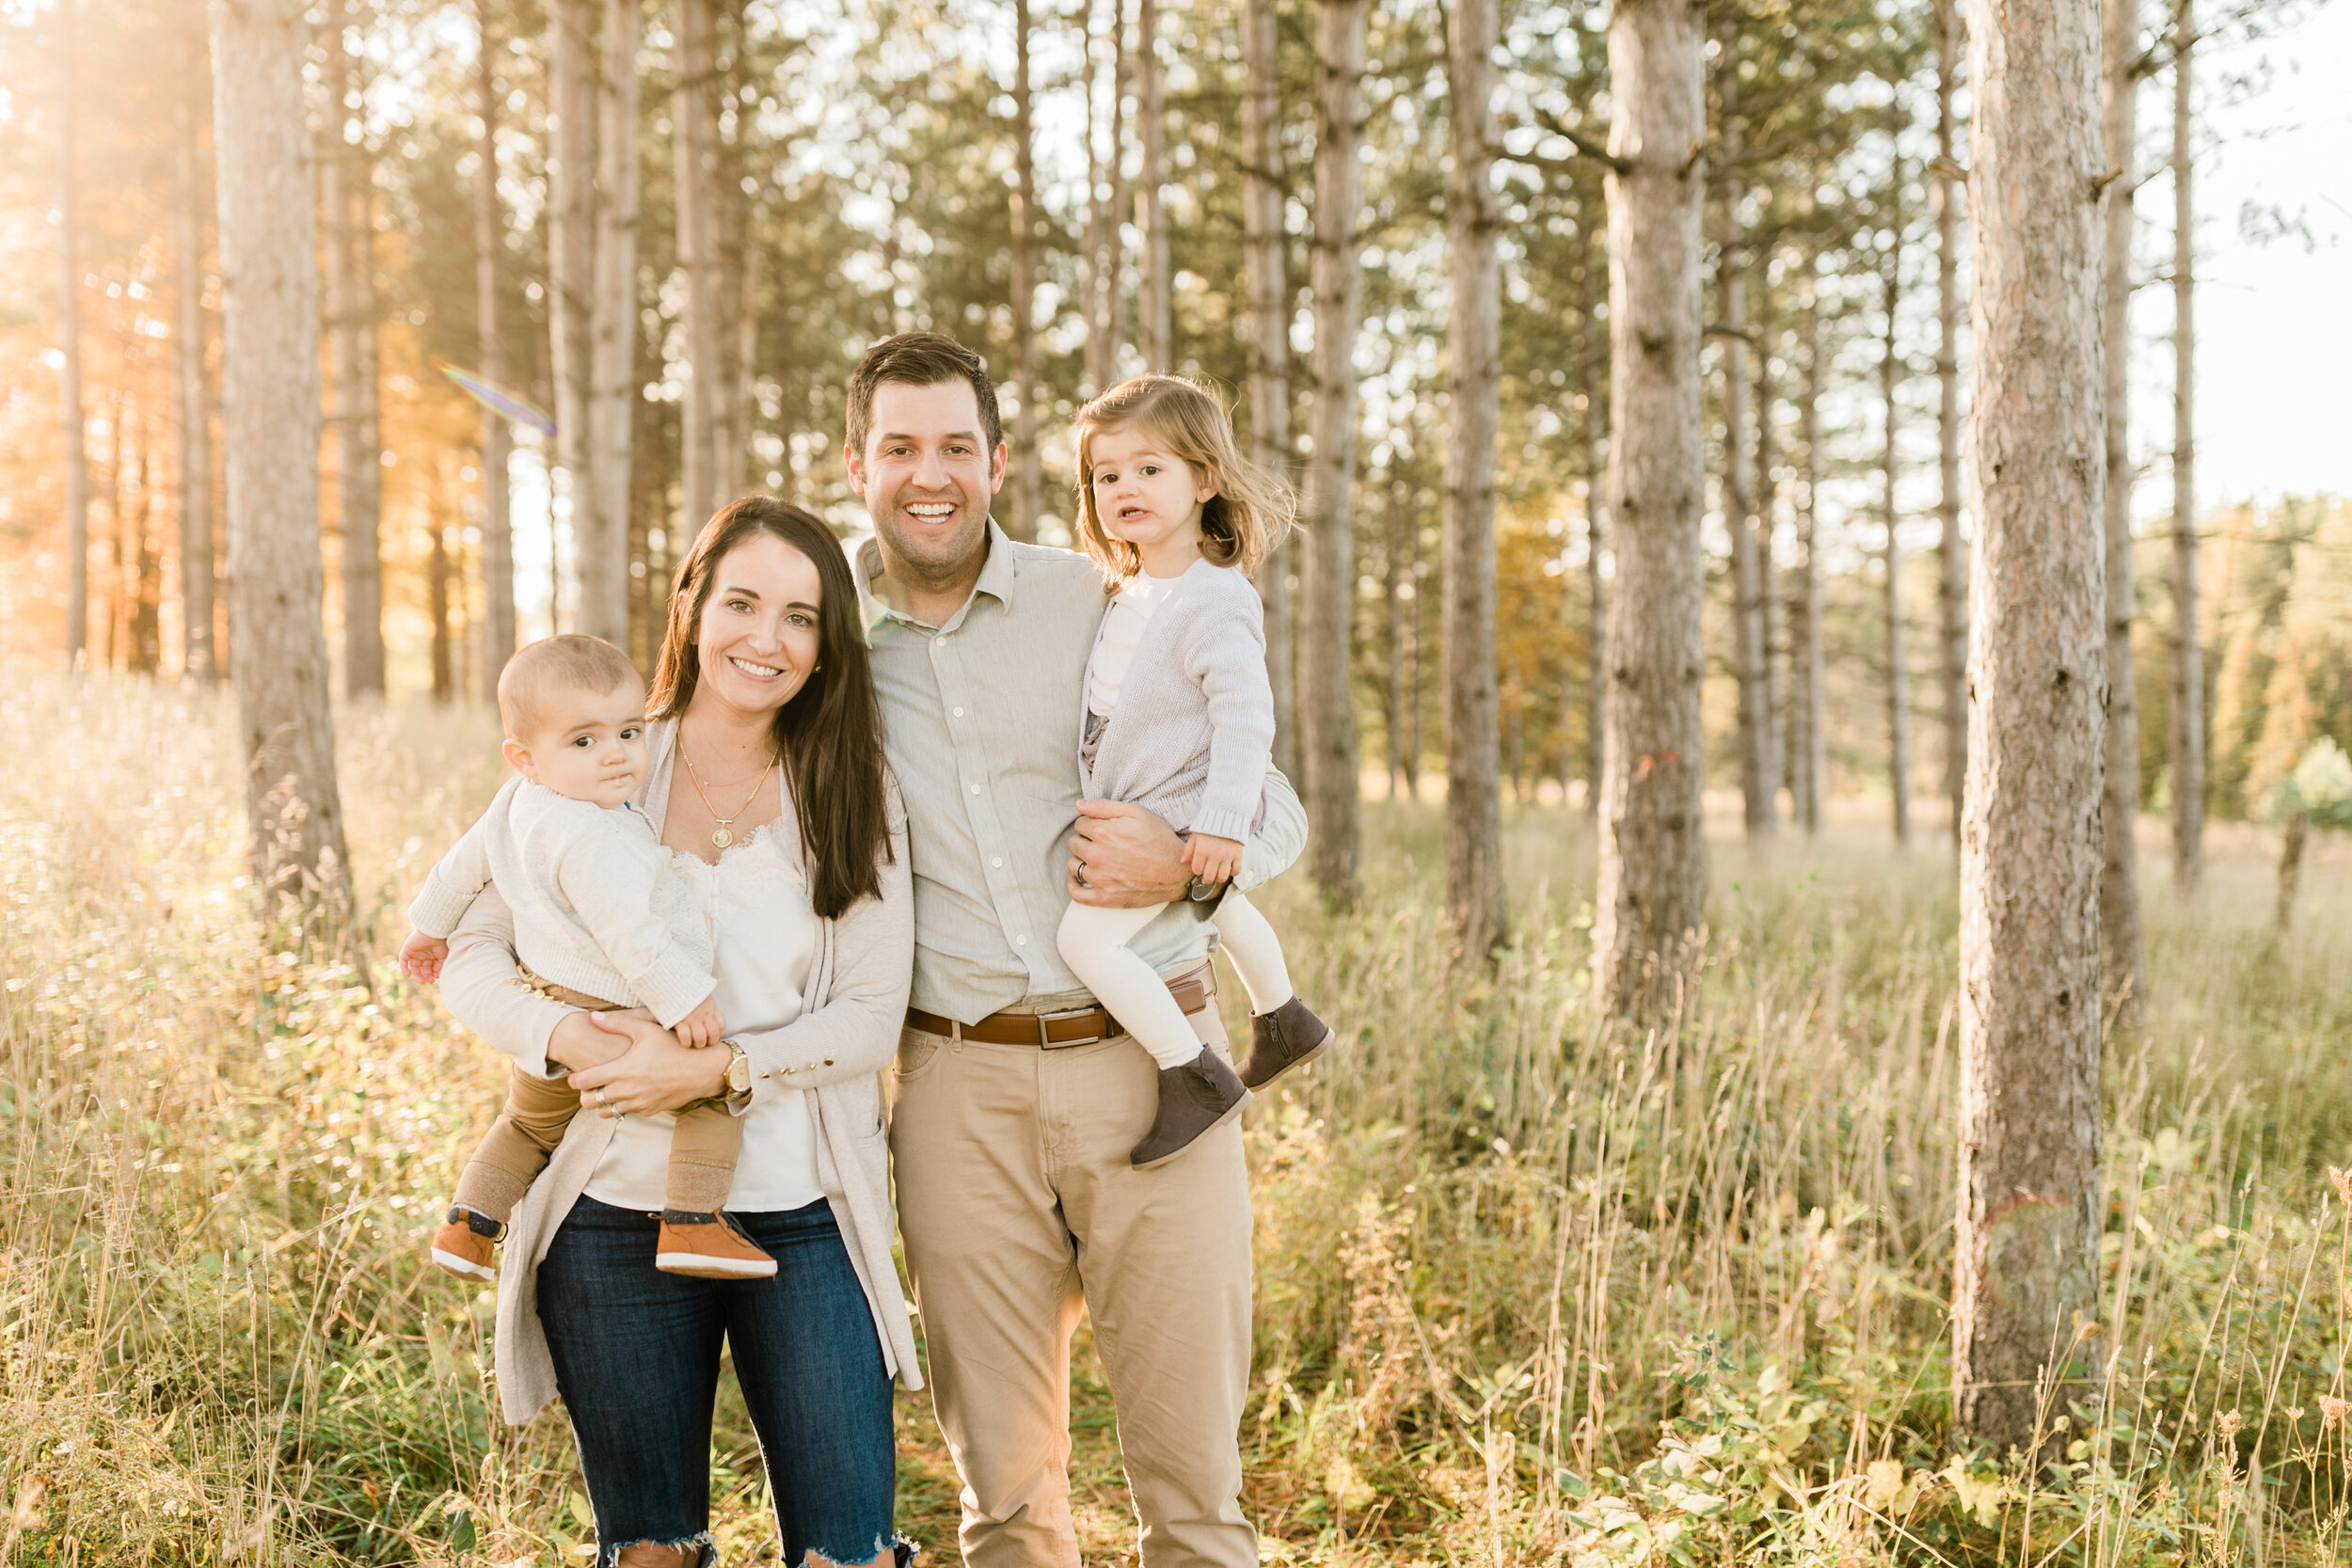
(1531, 1288)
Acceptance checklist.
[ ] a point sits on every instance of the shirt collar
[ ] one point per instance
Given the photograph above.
(998, 574)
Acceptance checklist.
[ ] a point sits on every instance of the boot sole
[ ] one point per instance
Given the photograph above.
(695, 1266)
(1239, 1106)
(464, 1268)
(1329, 1036)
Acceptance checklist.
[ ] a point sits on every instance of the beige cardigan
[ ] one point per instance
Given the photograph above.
(857, 985)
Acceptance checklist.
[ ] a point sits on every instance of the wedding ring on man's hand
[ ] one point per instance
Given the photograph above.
(604, 1099)
(1081, 874)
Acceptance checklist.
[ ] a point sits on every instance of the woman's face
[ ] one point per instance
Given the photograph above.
(759, 638)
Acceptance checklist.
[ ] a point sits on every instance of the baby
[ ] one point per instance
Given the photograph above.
(601, 922)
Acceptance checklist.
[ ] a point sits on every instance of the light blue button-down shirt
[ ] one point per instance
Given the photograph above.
(981, 723)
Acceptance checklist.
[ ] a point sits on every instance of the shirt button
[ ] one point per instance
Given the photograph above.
(975, 789)
(937, 640)
(997, 861)
(1021, 940)
(959, 713)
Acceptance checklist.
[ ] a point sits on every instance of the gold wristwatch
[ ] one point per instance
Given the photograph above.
(739, 1070)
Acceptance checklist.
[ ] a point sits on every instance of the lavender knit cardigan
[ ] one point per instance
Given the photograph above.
(1193, 728)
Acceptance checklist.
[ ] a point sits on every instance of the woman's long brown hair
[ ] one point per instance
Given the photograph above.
(829, 735)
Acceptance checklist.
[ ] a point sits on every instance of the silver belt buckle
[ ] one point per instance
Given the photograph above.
(1046, 1043)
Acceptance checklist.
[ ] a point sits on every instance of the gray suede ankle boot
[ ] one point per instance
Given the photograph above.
(1194, 1098)
(1281, 1040)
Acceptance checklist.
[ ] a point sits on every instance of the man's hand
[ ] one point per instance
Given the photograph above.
(421, 957)
(1123, 856)
(1213, 859)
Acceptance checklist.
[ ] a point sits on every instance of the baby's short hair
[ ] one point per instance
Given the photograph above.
(571, 662)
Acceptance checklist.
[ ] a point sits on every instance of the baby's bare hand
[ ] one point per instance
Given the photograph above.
(421, 957)
(702, 1028)
(1213, 859)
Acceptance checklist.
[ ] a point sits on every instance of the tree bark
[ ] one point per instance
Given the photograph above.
(601, 535)
(347, 185)
(1747, 575)
(2188, 666)
(497, 524)
(437, 604)
(1951, 550)
(1898, 677)
(2290, 869)
(571, 265)
(1098, 270)
(1807, 751)
(1027, 475)
(199, 657)
(737, 283)
(1327, 713)
(77, 425)
(695, 141)
(1771, 632)
(1653, 852)
(1393, 603)
(2029, 1111)
(1269, 346)
(2120, 947)
(147, 583)
(1473, 805)
(1594, 357)
(1156, 332)
(270, 401)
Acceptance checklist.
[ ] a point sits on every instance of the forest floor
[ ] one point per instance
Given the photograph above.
(1531, 1288)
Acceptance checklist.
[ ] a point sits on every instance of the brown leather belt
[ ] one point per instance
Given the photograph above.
(1194, 990)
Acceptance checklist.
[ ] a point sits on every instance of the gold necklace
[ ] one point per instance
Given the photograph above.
(724, 834)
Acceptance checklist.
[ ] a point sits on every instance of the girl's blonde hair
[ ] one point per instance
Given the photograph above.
(1239, 526)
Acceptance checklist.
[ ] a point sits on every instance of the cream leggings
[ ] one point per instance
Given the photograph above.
(1094, 943)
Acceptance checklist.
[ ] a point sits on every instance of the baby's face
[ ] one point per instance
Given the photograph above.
(591, 747)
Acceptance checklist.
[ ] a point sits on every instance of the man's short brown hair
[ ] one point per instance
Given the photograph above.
(919, 359)
(572, 661)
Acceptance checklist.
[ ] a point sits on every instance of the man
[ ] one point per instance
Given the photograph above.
(1017, 1102)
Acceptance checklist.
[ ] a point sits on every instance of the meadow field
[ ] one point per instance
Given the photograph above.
(1533, 1289)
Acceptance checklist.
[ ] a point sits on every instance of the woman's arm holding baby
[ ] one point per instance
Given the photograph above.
(479, 988)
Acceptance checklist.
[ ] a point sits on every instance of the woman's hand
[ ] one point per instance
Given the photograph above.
(653, 1071)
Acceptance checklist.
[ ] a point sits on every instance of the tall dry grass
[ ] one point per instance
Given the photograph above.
(1533, 1289)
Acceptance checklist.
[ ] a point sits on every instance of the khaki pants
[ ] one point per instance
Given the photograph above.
(1018, 1205)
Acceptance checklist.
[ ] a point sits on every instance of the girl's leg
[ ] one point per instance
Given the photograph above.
(636, 1355)
(1093, 944)
(811, 1371)
(1248, 939)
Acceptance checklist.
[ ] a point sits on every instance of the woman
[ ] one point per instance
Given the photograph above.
(767, 782)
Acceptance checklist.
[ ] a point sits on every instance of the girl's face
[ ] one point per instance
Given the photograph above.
(1147, 495)
(759, 639)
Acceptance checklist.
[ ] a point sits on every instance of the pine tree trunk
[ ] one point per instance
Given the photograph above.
(2188, 667)
(1473, 806)
(1951, 550)
(1897, 676)
(1155, 333)
(1269, 347)
(600, 530)
(2122, 951)
(2290, 869)
(199, 657)
(1027, 497)
(1115, 295)
(69, 344)
(1097, 271)
(437, 604)
(1593, 354)
(1393, 603)
(735, 286)
(1747, 575)
(1327, 711)
(571, 255)
(498, 523)
(347, 180)
(2029, 1111)
(270, 403)
(1771, 632)
(1808, 749)
(1653, 850)
(147, 587)
(695, 142)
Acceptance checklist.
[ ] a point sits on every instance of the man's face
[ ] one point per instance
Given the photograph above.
(926, 474)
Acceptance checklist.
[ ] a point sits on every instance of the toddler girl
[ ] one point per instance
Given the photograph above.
(1180, 719)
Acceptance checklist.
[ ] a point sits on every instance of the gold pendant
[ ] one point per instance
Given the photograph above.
(721, 837)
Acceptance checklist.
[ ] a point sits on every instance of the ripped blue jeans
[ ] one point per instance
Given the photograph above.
(636, 1355)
